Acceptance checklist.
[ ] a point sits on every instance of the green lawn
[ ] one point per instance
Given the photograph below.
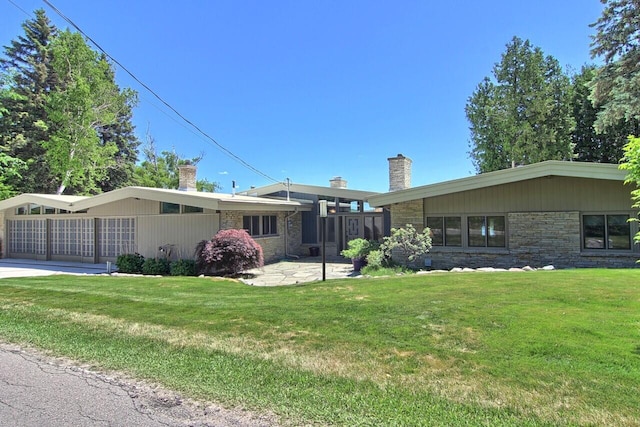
(536, 348)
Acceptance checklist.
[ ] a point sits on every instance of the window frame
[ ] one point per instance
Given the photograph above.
(255, 225)
(461, 241)
(606, 241)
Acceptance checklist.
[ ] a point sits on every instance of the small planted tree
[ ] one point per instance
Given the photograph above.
(229, 251)
(408, 242)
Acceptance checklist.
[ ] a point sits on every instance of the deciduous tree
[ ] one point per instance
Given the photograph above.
(86, 102)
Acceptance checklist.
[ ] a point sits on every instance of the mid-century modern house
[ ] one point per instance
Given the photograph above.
(150, 221)
(348, 214)
(568, 214)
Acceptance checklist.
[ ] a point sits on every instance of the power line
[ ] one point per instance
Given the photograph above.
(189, 122)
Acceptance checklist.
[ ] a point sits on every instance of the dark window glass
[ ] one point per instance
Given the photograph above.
(453, 232)
(34, 209)
(191, 209)
(269, 225)
(435, 225)
(49, 210)
(618, 232)
(594, 231)
(169, 208)
(496, 232)
(477, 231)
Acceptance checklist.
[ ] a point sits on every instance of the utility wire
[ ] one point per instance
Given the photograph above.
(189, 122)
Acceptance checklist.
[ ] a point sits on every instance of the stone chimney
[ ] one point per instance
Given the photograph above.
(399, 172)
(187, 178)
(338, 182)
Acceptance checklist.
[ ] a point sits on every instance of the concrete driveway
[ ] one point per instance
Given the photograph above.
(28, 268)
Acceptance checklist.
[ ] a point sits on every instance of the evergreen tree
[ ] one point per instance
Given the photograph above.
(589, 145)
(523, 115)
(616, 86)
(24, 125)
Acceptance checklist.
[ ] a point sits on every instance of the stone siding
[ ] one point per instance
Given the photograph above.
(273, 247)
(408, 213)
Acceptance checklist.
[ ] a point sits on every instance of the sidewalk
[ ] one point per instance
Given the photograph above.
(303, 270)
(286, 272)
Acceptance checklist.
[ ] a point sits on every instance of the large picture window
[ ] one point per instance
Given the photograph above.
(260, 225)
(486, 231)
(445, 231)
(606, 232)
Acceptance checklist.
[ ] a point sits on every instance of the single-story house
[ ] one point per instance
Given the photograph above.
(150, 221)
(568, 214)
(348, 214)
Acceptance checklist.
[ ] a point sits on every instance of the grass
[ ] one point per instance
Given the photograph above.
(536, 348)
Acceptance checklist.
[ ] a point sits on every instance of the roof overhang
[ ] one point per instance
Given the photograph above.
(214, 201)
(50, 200)
(333, 192)
(538, 170)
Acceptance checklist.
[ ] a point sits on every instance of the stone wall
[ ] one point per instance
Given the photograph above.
(408, 213)
(273, 247)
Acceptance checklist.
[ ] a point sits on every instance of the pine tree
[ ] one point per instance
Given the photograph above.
(24, 125)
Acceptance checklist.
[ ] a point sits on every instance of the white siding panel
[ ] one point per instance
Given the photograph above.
(181, 232)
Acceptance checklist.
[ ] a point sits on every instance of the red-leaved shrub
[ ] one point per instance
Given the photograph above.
(229, 251)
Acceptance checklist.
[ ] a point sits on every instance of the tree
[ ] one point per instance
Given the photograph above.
(523, 115)
(631, 163)
(616, 86)
(26, 69)
(86, 102)
(161, 170)
(121, 132)
(589, 145)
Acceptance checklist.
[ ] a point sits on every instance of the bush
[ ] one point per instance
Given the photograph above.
(229, 251)
(376, 259)
(130, 263)
(183, 267)
(359, 248)
(408, 242)
(155, 267)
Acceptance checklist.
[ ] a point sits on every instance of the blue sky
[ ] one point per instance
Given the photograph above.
(309, 90)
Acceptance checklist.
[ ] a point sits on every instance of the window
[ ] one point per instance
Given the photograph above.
(191, 209)
(445, 231)
(606, 232)
(486, 231)
(169, 208)
(256, 225)
(48, 210)
(21, 210)
(34, 209)
(331, 229)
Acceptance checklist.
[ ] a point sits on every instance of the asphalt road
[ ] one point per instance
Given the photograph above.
(36, 390)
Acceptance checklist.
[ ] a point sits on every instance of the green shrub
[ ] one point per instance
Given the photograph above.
(155, 267)
(183, 267)
(130, 263)
(408, 242)
(359, 248)
(376, 259)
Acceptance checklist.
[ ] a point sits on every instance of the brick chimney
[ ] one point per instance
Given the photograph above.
(338, 182)
(399, 172)
(187, 180)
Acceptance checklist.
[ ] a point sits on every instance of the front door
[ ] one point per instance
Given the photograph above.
(353, 225)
